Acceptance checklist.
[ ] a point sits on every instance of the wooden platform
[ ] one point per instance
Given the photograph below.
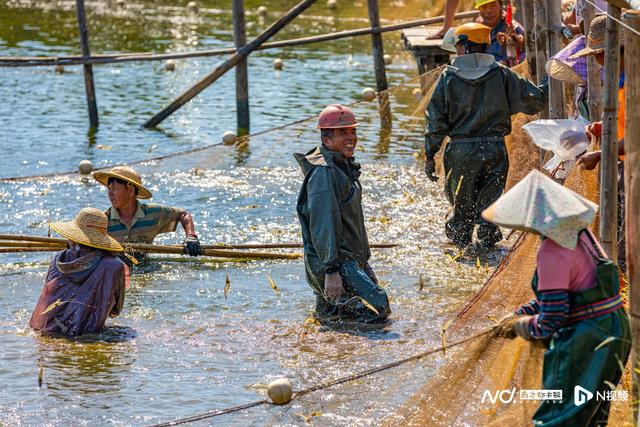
(428, 53)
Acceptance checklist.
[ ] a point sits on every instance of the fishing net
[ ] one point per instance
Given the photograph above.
(454, 395)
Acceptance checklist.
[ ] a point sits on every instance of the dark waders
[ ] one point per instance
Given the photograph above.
(357, 287)
(476, 173)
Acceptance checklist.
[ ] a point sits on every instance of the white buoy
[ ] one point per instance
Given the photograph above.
(229, 137)
(332, 4)
(85, 167)
(192, 7)
(417, 94)
(387, 59)
(280, 391)
(170, 65)
(368, 94)
(59, 69)
(278, 64)
(262, 11)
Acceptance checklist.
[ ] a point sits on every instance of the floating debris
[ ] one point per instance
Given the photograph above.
(278, 64)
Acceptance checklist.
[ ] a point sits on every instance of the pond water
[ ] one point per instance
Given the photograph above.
(180, 346)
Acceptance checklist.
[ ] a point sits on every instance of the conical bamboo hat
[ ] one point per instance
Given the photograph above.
(539, 204)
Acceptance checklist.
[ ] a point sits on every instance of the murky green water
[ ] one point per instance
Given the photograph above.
(187, 348)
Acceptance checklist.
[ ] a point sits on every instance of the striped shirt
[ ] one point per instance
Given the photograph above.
(148, 221)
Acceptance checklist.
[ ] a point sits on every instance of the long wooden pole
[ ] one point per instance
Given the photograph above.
(530, 43)
(632, 190)
(228, 64)
(17, 61)
(88, 70)
(540, 21)
(377, 48)
(594, 79)
(609, 162)
(556, 89)
(242, 72)
(26, 240)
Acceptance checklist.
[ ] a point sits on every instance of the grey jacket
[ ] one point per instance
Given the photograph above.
(475, 97)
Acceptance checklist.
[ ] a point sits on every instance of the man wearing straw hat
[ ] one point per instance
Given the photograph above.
(336, 248)
(133, 222)
(85, 283)
(595, 47)
(472, 103)
(577, 303)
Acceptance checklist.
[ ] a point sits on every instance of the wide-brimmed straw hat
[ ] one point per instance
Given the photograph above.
(595, 38)
(88, 228)
(126, 174)
(563, 67)
(539, 204)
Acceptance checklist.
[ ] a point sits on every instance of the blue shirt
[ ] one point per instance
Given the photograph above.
(497, 50)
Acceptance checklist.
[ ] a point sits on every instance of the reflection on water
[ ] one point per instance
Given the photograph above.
(196, 348)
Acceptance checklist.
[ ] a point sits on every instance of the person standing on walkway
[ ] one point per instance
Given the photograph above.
(472, 103)
(329, 207)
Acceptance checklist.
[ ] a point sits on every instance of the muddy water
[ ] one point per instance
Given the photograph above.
(180, 347)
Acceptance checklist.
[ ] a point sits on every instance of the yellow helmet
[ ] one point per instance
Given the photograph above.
(474, 32)
(482, 3)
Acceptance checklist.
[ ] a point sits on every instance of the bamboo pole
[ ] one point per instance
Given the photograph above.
(530, 43)
(377, 48)
(228, 64)
(632, 190)
(21, 238)
(242, 72)
(540, 24)
(609, 146)
(594, 81)
(88, 68)
(17, 61)
(556, 89)
(8, 244)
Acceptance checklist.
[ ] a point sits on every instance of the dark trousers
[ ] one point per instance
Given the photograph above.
(476, 174)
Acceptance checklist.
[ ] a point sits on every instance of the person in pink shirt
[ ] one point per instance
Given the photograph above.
(577, 310)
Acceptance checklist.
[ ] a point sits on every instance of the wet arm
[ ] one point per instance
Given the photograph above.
(187, 223)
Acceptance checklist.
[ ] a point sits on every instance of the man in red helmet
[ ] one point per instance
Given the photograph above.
(336, 248)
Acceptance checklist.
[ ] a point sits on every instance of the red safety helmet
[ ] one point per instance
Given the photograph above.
(336, 116)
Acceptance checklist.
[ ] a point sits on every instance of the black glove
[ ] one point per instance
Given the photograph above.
(430, 169)
(191, 246)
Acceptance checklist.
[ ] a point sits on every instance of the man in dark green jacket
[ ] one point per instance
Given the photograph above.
(472, 104)
(336, 248)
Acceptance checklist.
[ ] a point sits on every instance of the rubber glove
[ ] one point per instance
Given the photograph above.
(191, 245)
(521, 327)
(504, 328)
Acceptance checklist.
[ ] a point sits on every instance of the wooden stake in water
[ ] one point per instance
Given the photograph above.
(88, 68)
(242, 72)
(376, 43)
(632, 190)
(609, 162)
(229, 63)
